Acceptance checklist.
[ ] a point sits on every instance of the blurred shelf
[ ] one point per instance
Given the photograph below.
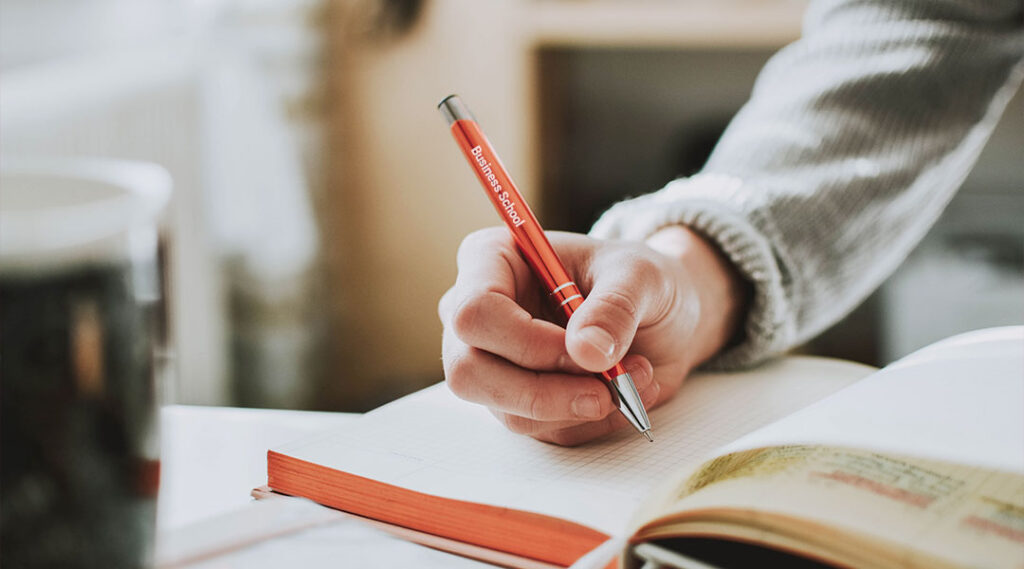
(665, 24)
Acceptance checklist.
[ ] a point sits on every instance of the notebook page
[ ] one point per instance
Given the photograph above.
(434, 443)
(960, 400)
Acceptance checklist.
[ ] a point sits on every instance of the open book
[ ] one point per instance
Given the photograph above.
(920, 464)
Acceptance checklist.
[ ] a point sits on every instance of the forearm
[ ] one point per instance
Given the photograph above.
(854, 140)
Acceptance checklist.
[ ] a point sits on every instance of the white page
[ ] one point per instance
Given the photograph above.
(434, 443)
(960, 400)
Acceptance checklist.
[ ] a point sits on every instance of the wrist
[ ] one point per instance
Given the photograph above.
(723, 293)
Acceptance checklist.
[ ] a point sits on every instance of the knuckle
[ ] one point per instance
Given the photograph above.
(622, 307)
(530, 350)
(644, 269)
(523, 355)
(444, 305)
(518, 425)
(469, 315)
(459, 374)
(563, 437)
(534, 403)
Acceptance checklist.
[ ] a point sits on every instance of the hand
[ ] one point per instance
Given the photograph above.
(665, 306)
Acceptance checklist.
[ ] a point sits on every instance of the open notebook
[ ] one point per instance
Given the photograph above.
(441, 466)
(433, 443)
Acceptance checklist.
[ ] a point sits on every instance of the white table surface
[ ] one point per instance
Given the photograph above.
(211, 457)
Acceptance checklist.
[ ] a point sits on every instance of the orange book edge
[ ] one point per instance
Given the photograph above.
(525, 534)
(447, 545)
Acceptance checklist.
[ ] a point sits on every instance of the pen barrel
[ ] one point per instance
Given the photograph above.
(567, 297)
(609, 375)
(529, 237)
(510, 205)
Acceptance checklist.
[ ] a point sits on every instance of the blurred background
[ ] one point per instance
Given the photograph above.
(319, 201)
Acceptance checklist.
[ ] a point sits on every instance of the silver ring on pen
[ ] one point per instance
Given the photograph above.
(560, 287)
(570, 298)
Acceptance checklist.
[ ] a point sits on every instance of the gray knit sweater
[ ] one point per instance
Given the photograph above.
(854, 140)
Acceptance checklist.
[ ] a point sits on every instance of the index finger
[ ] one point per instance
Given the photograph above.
(489, 261)
(485, 308)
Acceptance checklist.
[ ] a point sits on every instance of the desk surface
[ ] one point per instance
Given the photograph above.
(211, 457)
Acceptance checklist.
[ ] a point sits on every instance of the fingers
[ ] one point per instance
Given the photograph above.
(485, 307)
(497, 353)
(481, 377)
(547, 406)
(630, 291)
(497, 324)
(487, 260)
(564, 433)
(572, 433)
(578, 434)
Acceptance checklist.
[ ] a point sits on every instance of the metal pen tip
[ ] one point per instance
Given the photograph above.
(647, 434)
(625, 396)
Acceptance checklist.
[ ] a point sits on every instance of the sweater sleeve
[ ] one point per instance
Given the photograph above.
(854, 140)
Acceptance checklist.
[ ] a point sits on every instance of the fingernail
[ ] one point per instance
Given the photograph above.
(597, 337)
(586, 406)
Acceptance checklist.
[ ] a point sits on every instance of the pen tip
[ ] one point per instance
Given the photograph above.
(647, 434)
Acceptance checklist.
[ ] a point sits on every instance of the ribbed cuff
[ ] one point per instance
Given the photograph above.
(725, 211)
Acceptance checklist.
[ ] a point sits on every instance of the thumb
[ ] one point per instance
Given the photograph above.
(601, 330)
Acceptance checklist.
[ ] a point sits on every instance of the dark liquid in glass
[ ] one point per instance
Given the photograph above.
(78, 456)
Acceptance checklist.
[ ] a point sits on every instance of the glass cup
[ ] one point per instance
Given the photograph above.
(80, 320)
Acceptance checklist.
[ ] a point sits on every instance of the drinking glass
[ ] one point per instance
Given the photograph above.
(80, 320)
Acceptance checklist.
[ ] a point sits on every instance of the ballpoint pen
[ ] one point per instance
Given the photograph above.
(533, 244)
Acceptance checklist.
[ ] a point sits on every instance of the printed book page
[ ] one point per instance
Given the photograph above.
(434, 443)
(855, 507)
(960, 400)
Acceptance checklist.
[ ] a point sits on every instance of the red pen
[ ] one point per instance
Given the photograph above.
(533, 244)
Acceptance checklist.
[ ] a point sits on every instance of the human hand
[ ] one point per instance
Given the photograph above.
(662, 307)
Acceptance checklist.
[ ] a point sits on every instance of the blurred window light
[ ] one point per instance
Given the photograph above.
(208, 89)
